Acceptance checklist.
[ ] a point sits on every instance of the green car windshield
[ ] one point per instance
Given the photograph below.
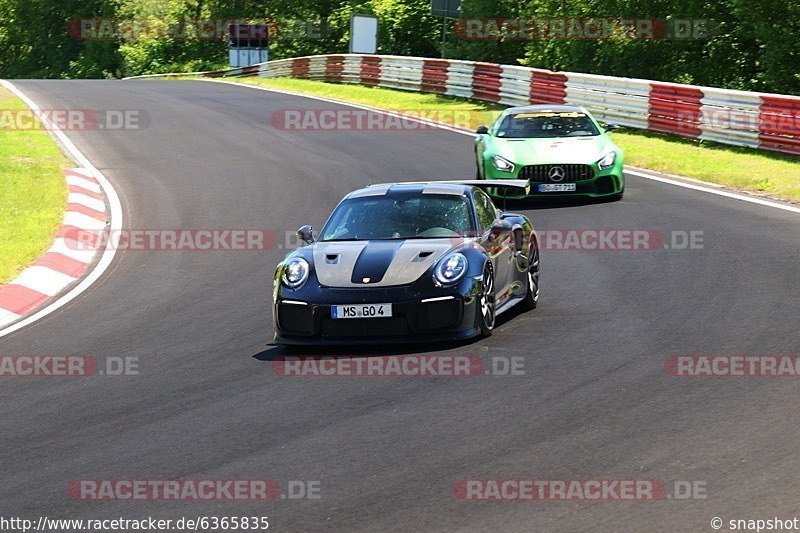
(545, 124)
(390, 217)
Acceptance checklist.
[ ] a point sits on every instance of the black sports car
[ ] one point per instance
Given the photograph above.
(407, 262)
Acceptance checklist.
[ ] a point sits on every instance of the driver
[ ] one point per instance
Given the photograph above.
(399, 222)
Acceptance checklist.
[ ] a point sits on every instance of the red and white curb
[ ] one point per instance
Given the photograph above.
(69, 268)
(67, 260)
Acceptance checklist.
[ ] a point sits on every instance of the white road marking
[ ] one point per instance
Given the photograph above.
(717, 191)
(116, 221)
(678, 183)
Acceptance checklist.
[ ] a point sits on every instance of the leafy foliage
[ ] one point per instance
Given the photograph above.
(746, 46)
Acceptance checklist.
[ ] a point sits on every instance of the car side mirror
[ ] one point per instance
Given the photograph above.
(306, 234)
(482, 130)
(611, 127)
(499, 227)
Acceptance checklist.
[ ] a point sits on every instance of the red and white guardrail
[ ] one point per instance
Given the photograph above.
(739, 118)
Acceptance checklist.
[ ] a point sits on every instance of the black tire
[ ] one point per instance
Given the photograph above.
(486, 303)
(532, 290)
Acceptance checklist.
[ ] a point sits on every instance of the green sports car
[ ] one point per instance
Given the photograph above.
(560, 149)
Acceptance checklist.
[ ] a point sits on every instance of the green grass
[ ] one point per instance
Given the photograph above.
(33, 193)
(757, 171)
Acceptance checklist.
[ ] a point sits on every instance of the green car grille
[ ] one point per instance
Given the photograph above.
(556, 173)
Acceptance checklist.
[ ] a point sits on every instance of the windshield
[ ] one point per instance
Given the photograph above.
(427, 216)
(544, 124)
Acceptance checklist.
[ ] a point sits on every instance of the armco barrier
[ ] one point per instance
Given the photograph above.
(675, 109)
(739, 118)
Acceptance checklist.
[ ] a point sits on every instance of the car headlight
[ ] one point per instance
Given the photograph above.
(503, 164)
(295, 272)
(607, 161)
(450, 269)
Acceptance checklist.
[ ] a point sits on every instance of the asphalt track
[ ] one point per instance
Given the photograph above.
(594, 403)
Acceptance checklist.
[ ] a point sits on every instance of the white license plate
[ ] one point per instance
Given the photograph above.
(556, 187)
(362, 311)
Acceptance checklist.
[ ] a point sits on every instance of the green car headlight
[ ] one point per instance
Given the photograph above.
(502, 164)
(607, 161)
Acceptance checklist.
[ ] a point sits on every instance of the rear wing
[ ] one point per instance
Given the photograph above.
(485, 184)
(500, 184)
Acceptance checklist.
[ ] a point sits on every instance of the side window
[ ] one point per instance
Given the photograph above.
(485, 210)
(497, 126)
